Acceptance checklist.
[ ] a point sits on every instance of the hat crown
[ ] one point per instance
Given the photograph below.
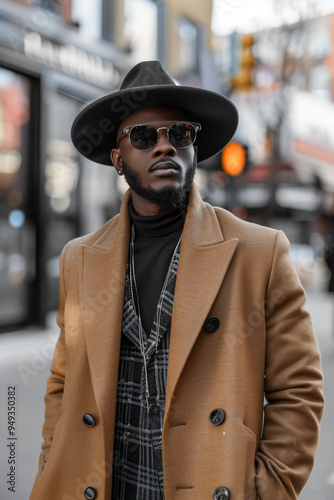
(146, 74)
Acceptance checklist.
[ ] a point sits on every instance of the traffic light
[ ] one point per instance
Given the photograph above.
(243, 78)
(234, 158)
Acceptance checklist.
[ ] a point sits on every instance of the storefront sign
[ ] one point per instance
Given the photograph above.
(71, 60)
(312, 133)
(312, 136)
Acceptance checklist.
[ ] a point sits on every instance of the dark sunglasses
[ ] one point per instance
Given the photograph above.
(144, 136)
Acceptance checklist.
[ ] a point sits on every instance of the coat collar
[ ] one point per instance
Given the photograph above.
(204, 260)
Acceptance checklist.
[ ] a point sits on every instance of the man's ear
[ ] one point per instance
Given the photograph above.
(116, 159)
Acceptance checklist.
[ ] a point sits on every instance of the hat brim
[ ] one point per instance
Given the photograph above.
(94, 130)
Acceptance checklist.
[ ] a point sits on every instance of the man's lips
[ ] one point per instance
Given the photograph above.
(167, 164)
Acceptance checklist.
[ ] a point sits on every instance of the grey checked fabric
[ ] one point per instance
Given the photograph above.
(137, 460)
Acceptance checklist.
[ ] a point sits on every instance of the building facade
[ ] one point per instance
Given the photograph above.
(48, 72)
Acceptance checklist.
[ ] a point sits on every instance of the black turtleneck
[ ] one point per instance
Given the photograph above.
(155, 240)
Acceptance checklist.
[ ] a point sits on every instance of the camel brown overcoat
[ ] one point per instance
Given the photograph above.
(229, 269)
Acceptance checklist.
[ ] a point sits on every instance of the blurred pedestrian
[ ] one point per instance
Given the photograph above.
(176, 319)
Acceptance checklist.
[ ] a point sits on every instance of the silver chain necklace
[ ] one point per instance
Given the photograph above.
(135, 300)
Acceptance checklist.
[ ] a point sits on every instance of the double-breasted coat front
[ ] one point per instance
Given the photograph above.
(239, 332)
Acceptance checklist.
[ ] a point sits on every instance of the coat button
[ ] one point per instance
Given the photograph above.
(211, 324)
(221, 493)
(89, 420)
(217, 416)
(90, 493)
(155, 408)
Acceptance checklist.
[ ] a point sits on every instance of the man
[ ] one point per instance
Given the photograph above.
(176, 319)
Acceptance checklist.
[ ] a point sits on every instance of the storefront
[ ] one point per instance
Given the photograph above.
(47, 74)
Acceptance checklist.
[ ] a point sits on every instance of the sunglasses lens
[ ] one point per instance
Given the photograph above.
(143, 137)
(182, 135)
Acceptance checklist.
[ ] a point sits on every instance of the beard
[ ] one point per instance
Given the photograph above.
(177, 197)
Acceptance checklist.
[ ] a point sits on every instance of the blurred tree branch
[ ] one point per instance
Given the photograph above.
(294, 21)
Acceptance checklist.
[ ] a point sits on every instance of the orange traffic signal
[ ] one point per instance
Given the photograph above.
(234, 158)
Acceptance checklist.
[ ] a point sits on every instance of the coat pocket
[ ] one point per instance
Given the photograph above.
(249, 443)
(48, 452)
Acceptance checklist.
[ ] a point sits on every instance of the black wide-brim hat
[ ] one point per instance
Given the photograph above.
(95, 128)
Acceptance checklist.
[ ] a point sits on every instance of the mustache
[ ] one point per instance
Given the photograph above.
(165, 160)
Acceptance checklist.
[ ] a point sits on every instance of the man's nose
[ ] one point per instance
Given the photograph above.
(163, 147)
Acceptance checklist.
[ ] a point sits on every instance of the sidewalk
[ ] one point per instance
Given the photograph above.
(25, 359)
(321, 482)
(321, 307)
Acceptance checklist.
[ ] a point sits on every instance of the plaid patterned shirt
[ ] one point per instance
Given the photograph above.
(137, 460)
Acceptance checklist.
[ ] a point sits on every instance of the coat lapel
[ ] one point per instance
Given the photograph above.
(204, 260)
(102, 293)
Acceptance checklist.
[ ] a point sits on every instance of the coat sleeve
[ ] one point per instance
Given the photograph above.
(56, 381)
(293, 385)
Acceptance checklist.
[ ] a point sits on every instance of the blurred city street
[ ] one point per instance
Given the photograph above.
(25, 359)
(274, 59)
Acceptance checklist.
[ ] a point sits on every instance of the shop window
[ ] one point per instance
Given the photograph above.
(60, 189)
(17, 228)
(320, 43)
(298, 79)
(189, 46)
(141, 28)
(88, 15)
(296, 45)
(78, 196)
(59, 7)
(321, 81)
